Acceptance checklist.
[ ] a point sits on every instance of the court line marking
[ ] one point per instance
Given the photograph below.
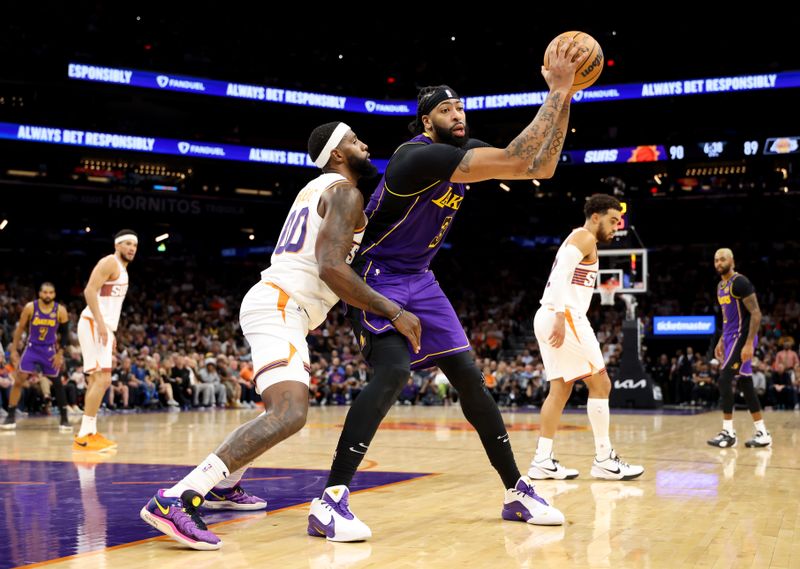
(218, 524)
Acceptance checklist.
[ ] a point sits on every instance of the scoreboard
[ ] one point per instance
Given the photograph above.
(719, 149)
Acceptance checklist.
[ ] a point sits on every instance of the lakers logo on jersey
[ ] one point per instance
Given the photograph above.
(725, 299)
(449, 200)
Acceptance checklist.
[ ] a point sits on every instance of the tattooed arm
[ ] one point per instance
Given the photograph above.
(534, 153)
(751, 303)
(341, 208)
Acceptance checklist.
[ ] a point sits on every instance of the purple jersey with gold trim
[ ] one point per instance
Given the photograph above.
(735, 316)
(413, 207)
(43, 326)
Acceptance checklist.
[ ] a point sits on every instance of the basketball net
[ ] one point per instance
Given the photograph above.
(607, 291)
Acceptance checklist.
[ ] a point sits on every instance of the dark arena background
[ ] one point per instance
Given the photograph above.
(188, 124)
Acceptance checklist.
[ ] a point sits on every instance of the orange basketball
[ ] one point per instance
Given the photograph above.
(590, 70)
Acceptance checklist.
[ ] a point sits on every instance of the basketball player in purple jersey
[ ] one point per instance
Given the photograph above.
(409, 214)
(47, 323)
(741, 318)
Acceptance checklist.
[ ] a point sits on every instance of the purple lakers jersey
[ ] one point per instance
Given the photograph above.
(413, 207)
(44, 325)
(735, 316)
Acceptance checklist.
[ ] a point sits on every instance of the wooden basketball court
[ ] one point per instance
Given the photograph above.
(426, 490)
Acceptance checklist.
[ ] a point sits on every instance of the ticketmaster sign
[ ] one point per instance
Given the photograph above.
(683, 325)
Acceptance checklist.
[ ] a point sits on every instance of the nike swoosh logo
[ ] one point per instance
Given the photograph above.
(617, 471)
(358, 451)
(81, 444)
(164, 510)
(549, 469)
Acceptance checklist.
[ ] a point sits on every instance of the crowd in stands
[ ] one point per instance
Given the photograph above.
(179, 345)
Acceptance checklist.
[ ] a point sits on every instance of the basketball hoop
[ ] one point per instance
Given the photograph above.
(607, 291)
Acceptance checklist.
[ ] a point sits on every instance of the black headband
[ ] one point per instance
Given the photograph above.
(429, 102)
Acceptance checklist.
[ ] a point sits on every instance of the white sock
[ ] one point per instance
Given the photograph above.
(88, 426)
(208, 474)
(544, 449)
(234, 478)
(599, 417)
(727, 425)
(760, 426)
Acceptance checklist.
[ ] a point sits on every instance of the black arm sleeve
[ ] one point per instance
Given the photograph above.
(415, 166)
(63, 334)
(742, 287)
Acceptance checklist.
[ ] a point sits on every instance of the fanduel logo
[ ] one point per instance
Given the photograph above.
(388, 108)
(167, 81)
(189, 148)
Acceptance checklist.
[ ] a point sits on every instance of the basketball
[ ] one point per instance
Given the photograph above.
(590, 70)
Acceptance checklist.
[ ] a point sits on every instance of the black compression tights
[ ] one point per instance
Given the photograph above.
(390, 362)
(745, 384)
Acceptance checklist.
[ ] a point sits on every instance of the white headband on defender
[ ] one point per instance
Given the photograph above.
(336, 137)
(126, 237)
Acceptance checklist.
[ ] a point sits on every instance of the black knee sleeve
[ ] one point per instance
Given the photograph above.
(726, 390)
(745, 383)
(390, 361)
(480, 409)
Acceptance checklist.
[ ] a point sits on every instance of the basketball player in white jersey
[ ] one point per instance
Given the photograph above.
(569, 347)
(105, 292)
(309, 272)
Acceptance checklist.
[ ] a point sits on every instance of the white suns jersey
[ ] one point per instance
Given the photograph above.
(111, 296)
(294, 265)
(580, 289)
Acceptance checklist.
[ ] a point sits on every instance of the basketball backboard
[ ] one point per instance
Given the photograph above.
(629, 266)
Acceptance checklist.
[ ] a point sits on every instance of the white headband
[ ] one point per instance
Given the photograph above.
(126, 237)
(333, 142)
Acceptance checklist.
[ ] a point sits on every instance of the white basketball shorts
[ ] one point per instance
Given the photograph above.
(96, 356)
(578, 357)
(276, 328)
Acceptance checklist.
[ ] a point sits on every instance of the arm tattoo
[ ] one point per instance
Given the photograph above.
(463, 166)
(333, 246)
(751, 303)
(541, 142)
(254, 438)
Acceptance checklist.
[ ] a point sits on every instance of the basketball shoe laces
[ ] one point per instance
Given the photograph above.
(342, 507)
(531, 492)
(622, 464)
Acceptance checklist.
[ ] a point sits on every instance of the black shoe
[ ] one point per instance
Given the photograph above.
(724, 439)
(9, 423)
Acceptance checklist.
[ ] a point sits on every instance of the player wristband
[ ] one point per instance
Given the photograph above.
(398, 315)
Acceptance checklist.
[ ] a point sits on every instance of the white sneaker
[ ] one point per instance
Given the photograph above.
(760, 439)
(550, 468)
(614, 468)
(330, 517)
(724, 439)
(523, 504)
